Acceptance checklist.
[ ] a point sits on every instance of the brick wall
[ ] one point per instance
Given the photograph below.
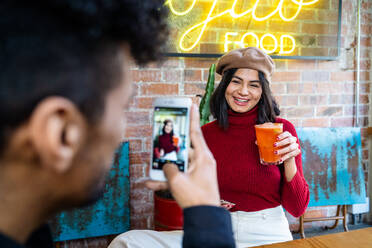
(310, 93)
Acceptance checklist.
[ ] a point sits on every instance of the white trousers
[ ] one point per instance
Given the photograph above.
(250, 229)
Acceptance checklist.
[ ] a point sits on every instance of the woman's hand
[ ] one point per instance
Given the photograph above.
(288, 147)
(162, 152)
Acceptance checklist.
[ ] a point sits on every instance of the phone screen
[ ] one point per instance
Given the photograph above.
(170, 137)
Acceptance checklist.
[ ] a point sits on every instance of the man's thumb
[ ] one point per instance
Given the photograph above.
(170, 171)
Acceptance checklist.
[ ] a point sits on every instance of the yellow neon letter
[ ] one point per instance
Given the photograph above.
(282, 44)
(179, 13)
(254, 36)
(275, 41)
(269, 15)
(234, 15)
(227, 42)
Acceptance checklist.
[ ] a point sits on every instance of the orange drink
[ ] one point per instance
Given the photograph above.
(266, 135)
(175, 141)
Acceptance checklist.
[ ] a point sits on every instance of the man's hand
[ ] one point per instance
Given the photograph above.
(198, 186)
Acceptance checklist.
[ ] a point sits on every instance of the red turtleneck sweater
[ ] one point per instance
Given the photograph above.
(242, 179)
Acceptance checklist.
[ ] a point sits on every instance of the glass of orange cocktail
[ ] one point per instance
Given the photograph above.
(267, 135)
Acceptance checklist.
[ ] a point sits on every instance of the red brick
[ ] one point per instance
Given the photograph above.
(342, 122)
(302, 88)
(292, 100)
(286, 77)
(329, 16)
(135, 145)
(280, 64)
(144, 102)
(312, 51)
(277, 88)
(324, 88)
(217, 77)
(172, 75)
(341, 99)
(365, 76)
(142, 209)
(349, 87)
(301, 64)
(293, 27)
(366, 29)
(316, 213)
(139, 223)
(192, 75)
(146, 75)
(300, 112)
(363, 121)
(365, 64)
(348, 110)
(171, 62)
(316, 122)
(364, 99)
(363, 110)
(138, 131)
(327, 41)
(365, 154)
(313, 100)
(318, 76)
(328, 111)
(312, 28)
(159, 89)
(328, 65)
(137, 118)
(140, 196)
(194, 89)
(136, 171)
(365, 53)
(366, 41)
(139, 158)
(199, 62)
(148, 144)
(342, 76)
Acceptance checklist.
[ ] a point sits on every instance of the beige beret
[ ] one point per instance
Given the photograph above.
(249, 57)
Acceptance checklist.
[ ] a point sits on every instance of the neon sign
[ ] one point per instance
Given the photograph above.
(271, 41)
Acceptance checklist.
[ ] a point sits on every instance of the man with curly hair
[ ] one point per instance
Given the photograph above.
(64, 83)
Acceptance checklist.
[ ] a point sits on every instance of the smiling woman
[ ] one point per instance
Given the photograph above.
(242, 100)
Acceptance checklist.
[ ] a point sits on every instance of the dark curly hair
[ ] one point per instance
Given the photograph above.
(268, 109)
(69, 48)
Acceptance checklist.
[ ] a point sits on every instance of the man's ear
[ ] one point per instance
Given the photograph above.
(57, 131)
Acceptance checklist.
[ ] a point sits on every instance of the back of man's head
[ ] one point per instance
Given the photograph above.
(63, 87)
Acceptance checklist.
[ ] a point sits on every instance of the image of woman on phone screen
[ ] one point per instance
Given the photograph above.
(168, 143)
(242, 100)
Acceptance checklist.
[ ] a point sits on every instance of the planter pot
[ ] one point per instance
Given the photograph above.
(168, 214)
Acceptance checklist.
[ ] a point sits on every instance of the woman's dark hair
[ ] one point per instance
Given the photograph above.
(268, 109)
(171, 133)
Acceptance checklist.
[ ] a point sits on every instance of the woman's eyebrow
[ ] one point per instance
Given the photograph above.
(254, 81)
(238, 78)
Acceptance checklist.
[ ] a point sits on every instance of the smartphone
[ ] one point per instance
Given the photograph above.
(170, 135)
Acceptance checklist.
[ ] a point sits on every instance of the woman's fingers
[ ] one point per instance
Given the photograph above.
(291, 154)
(286, 141)
(284, 135)
(287, 149)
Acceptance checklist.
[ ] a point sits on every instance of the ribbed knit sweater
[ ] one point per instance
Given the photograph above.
(242, 179)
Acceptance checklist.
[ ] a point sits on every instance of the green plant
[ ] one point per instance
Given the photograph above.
(204, 109)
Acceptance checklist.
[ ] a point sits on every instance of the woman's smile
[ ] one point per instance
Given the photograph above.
(244, 91)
